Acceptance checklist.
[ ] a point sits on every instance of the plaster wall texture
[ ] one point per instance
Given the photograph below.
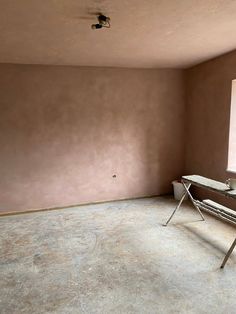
(65, 131)
(208, 110)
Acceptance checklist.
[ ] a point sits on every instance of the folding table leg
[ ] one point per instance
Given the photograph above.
(178, 206)
(192, 199)
(228, 254)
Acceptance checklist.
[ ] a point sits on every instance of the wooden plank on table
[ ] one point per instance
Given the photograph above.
(220, 207)
(208, 183)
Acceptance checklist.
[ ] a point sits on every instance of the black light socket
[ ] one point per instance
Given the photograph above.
(96, 26)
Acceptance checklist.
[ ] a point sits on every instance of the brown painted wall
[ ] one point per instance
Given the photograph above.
(208, 111)
(65, 131)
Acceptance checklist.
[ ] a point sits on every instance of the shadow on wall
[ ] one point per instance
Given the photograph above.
(208, 105)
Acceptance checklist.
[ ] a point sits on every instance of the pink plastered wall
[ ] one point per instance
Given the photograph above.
(208, 120)
(66, 131)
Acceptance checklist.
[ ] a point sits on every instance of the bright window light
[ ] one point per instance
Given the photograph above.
(232, 131)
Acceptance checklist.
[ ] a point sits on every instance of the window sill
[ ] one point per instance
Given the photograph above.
(231, 170)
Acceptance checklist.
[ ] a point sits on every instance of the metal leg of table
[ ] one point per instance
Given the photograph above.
(192, 199)
(228, 254)
(178, 206)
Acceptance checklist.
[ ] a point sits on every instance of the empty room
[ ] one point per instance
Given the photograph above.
(117, 156)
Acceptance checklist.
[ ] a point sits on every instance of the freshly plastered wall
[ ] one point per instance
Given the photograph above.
(72, 135)
(208, 118)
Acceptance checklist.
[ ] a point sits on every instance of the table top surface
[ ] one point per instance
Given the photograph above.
(210, 184)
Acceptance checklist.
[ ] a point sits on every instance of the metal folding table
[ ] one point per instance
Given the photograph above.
(208, 205)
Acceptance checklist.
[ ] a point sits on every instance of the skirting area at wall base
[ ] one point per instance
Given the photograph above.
(27, 211)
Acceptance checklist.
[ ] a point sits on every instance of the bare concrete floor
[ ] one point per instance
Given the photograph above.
(116, 258)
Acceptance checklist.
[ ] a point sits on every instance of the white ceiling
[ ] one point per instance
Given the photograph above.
(144, 33)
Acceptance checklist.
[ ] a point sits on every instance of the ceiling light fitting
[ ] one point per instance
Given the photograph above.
(103, 21)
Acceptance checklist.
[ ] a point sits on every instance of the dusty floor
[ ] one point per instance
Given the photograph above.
(116, 258)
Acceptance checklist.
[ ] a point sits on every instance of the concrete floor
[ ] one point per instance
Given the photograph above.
(116, 258)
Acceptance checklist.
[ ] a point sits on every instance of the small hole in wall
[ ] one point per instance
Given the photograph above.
(114, 176)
